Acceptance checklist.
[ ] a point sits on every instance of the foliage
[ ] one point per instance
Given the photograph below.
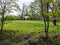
(12, 17)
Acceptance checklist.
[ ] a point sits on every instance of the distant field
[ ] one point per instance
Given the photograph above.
(29, 26)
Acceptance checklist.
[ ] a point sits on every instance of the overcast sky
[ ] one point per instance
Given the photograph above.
(27, 2)
(21, 2)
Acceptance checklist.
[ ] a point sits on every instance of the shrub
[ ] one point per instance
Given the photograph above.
(12, 17)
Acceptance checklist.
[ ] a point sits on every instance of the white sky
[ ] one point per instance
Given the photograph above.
(25, 1)
(21, 2)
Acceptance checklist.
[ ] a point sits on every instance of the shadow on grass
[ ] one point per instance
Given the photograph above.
(11, 37)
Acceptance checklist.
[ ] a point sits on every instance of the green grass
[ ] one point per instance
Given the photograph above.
(17, 29)
(29, 26)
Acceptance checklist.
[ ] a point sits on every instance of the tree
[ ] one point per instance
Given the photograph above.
(35, 10)
(45, 6)
(23, 11)
(49, 9)
(6, 7)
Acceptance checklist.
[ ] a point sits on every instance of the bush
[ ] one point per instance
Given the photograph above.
(12, 17)
(34, 17)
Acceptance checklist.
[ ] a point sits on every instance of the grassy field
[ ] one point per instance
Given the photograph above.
(16, 31)
(29, 26)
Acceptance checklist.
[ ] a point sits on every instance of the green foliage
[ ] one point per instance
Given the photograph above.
(45, 1)
(34, 17)
(12, 17)
(48, 14)
(48, 1)
(59, 4)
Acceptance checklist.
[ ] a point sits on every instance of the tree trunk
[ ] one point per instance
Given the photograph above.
(2, 22)
(46, 20)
